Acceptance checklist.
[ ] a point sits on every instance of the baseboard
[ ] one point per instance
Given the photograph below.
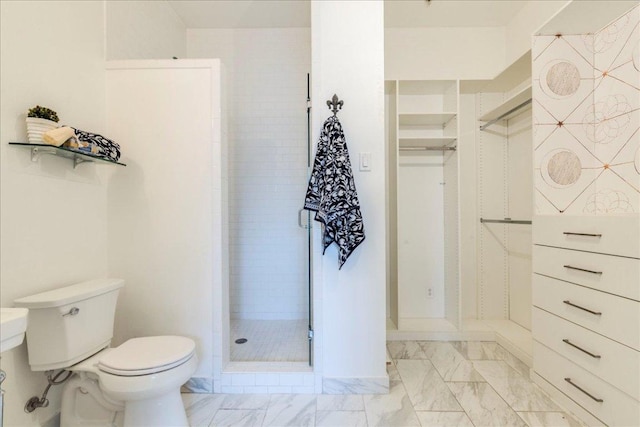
(262, 367)
(525, 358)
(198, 385)
(369, 385)
(513, 337)
(568, 405)
(441, 336)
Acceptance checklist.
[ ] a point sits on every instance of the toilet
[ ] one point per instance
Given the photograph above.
(134, 384)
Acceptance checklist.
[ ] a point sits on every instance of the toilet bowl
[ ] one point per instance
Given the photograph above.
(141, 378)
(134, 384)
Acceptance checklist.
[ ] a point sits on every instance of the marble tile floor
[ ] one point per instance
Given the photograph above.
(432, 383)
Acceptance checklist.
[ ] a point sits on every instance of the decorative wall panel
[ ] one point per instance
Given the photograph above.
(586, 115)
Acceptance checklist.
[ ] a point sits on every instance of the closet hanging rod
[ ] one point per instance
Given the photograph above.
(427, 148)
(502, 116)
(504, 221)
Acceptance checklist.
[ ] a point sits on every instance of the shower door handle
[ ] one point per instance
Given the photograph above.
(301, 213)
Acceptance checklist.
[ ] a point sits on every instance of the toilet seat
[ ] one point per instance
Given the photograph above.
(147, 355)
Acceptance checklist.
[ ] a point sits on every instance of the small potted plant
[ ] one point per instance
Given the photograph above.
(40, 120)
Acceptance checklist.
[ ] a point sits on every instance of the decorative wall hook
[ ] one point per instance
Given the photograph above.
(335, 105)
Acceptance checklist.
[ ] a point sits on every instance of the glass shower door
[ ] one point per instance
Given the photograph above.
(309, 233)
(270, 269)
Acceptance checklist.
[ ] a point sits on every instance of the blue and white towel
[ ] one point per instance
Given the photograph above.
(102, 146)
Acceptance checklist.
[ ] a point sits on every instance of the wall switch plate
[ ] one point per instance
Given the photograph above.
(365, 162)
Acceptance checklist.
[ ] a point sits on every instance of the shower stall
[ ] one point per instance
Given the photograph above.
(270, 277)
(266, 91)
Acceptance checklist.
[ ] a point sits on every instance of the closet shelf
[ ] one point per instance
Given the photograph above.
(507, 109)
(37, 149)
(425, 119)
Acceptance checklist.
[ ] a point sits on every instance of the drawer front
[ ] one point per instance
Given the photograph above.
(616, 235)
(608, 273)
(609, 315)
(613, 362)
(616, 407)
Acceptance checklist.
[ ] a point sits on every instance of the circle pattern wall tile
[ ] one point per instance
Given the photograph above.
(608, 201)
(563, 78)
(607, 119)
(561, 168)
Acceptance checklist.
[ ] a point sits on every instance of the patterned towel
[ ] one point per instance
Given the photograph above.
(332, 192)
(103, 147)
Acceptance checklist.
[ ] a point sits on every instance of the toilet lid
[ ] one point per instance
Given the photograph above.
(147, 355)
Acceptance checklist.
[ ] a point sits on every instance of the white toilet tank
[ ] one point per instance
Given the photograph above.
(69, 324)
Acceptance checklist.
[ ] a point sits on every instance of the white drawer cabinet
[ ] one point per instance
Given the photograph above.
(619, 235)
(609, 315)
(586, 315)
(607, 273)
(603, 400)
(607, 359)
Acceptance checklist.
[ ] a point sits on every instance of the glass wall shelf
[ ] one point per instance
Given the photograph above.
(77, 157)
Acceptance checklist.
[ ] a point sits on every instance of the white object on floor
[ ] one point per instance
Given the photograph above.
(137, 383)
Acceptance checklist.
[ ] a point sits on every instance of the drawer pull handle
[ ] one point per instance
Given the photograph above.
(582, 269)
(583, 390)
(597, 313)
(568, 233)
(595, 356)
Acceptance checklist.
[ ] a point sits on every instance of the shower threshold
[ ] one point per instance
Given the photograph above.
(235, 367)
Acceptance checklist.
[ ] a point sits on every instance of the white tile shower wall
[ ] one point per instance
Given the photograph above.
(261, 382)
(267, 165)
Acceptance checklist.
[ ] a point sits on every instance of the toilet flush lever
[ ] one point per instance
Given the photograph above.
(72, 312)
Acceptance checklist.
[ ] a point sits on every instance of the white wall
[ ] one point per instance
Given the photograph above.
(493, 203)
(468, 205)
(444, 53)
(266, 84)
(464, 53)
(53, 217)
(163, 207)
(519, 175)
(504, 190)
(347, 41)
(421, 247)
(144, 30)
(451, 223)
(391, 138)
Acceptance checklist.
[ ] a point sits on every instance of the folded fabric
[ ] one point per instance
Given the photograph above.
(58, 136)
(103, 147)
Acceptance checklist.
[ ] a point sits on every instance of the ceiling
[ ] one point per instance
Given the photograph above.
(243, 13)
(449, 13)
(297, 13)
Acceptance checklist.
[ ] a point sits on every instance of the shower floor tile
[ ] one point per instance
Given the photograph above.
(270, 340)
